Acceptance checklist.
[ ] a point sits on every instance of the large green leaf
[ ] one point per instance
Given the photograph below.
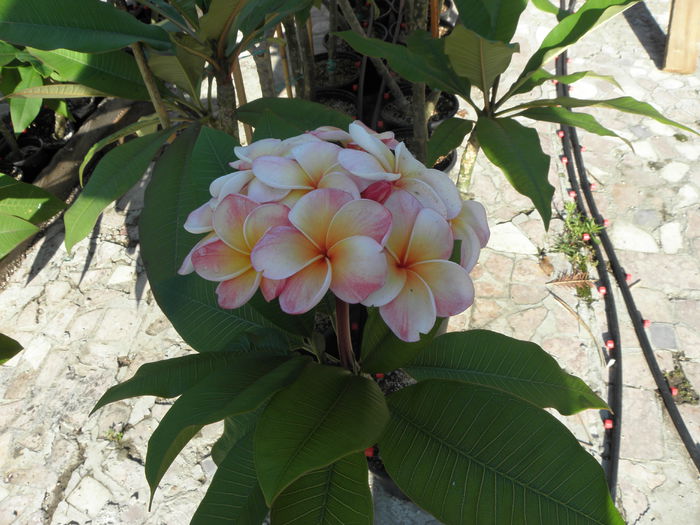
(236, 389)
(170, 377)
(423, 59)
(516, 150)
(448, 136)
(13, 231)
(114, 73)
(476, 58)
(541, 76)
(326, 414)
(549, 7)
(624, 104)
(57, 91)
(212, 24)
(23, 111)
(118, 171)
(334, 495)
(291, 116)
(382, 351)
(8, 348)
(235, 427)
(520, 368)
(569, 118)
(27, 201)
(179, 185)
(184, 70)
(471, 454)
(7, 53)
(492, 19)
(570, 29)
(89, 26)
(234, 495)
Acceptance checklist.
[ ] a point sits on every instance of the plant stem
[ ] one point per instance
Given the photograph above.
(342, 315)
(307, 54)
(150, 82)
(263, 64)
(466, 165)
(242, 99)
(355, 25)
(420, 123)
(226, 100)
(285, 62)
(434, 17)
(294, 56)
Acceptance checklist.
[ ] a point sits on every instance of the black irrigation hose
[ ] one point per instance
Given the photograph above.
(611, 442)
(570, 136)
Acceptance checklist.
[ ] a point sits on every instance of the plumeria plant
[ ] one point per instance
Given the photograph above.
(263, 269)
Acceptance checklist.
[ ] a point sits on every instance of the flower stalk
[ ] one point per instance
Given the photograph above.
(342, 314)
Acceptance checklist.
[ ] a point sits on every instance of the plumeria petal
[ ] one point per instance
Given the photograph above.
(282, 252)
(271, 288)
(331, 133)
(187, 266)
(316, 158)
(395, 280)
(229, 218)
(280, 172)
(262, 219)
(215, 261)
(406, 163)
(364, 165)
(340, 181)
(431, 238)
(412, 312)
(305, 289)
(359, 268)
(313, 213)
(235, 292)
(372, 145)
(451, 285)
(199, 220)
(231, 183)
(404, 209)
(360, 217)
(378, 191)
(261, 192)
(293, 197)
(445, 189)
(474, 215)
(258, 149)
(424, 193)
(471, 247)
(387, 137)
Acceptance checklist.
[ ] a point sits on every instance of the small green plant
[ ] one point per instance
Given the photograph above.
(114, 435)
(575, 242)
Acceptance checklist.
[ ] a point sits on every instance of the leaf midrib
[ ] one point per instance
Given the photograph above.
(395, 412)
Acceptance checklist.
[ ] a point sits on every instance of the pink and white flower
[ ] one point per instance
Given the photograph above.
(335, 242)
(422, 283)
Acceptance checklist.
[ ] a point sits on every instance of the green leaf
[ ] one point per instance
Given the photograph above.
(448, 136)
(59, 107)
(290, 116)
(234, 495)
(256, 18)
(382, 351)
(179, 185)
(9, 78)
(140, 124)
(541, 76)
(338, 493)
(114, 73)
(624, 104)
(519, 368)
(477, 59)
(185, 74)
(573, 27)
(548, 7)
(7, 53)
(326, 414)
(492, 19)
(569, 118)
(169, 377)
(516, 150)
(13, 231)
(8, 348)
(423, 59)
(118, 171)
(89, 26)
(235, 427)
(57, 91)
(237, 389)
(23, 111)
(27, 201)
(212, 24)
(470, 454)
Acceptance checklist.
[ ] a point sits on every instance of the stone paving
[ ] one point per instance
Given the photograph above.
(88, 320)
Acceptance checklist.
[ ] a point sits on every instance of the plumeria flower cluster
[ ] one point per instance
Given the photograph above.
(351, 212)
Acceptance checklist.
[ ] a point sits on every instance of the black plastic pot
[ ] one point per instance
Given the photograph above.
(447, 162)
(338, 99)
(346, 67)
(392, 117)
